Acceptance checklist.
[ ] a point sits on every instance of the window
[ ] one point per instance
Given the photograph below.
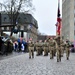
(5, 18)
(2, 28)
(5, 28)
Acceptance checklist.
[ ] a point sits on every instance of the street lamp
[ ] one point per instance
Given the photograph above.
(22, 29)
(16, 28)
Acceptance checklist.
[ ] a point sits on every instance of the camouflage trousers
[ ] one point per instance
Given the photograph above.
(39, 51)
(51, 52)
(45, 51)
(58, 54)
(62, 50)
(31, 52)
(67, 53)
(54, 51)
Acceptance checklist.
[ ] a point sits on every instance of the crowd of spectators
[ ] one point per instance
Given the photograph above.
(20, 45)
(7, 45)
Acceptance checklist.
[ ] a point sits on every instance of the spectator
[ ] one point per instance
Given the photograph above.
(0, 43)
(22, 47)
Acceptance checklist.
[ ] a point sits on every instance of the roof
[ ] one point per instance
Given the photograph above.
(23, 18)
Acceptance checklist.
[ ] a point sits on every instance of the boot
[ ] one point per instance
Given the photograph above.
(29, 57)
(67, 58)
(57, 60)
(32, 56)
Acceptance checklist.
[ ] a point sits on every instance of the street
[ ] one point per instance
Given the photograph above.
(40, 65)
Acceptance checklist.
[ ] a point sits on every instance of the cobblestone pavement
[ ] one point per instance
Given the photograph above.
(13, 54)
(40, 65)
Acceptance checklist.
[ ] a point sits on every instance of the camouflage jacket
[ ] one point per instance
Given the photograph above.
(31, 44)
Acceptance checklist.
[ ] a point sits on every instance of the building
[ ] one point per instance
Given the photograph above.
(26, 25)
(68, 19)
(44, 37)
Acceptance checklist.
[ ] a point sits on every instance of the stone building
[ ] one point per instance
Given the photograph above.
(26, 24)
(44, 37)
(68, 19)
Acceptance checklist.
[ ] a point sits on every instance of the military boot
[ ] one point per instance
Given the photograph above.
(60, 59)
(67, 58)
(29, 57)
(57, 60)
(32, 55)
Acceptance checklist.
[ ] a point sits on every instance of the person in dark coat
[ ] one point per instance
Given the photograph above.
(8, 47)
(1, 43)
(19, 46)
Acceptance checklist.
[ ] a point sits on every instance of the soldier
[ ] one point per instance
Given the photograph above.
(31, 49)
(62, 47)
(48, 39)
(54, 50)
(41, 47)
(58, 49)
(67, 50)
(37, 48)
(45, 48)
(51, 48)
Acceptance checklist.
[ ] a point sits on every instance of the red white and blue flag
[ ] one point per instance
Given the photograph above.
(58, 24)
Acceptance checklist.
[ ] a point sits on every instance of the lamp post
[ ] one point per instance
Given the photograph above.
(22, 33)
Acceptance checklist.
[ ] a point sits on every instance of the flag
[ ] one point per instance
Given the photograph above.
(58, 25)
(58, 13)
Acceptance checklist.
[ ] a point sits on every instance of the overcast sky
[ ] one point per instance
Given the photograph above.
(46, 15)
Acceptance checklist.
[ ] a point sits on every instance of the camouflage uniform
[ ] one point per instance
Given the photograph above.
(62, 47)
(45, 48)
(41, 45)
(31, 49)
(58, 49)
(38, 46)
(51, 48)
(67, 50)
(48, 39)
(54, 50)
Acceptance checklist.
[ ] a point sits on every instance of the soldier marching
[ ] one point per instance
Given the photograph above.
(31, 49)
(53, 46)
(39, 49)
(67, 50)
(45, 48)
(62, 45)
(58, 49)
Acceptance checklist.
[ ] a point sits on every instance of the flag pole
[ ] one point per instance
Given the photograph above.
(58, 25)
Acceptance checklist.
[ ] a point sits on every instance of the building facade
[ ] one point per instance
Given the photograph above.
(68, 19)
(26, 24)
(44, 37)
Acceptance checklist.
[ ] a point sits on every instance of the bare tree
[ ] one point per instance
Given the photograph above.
(14, 7)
